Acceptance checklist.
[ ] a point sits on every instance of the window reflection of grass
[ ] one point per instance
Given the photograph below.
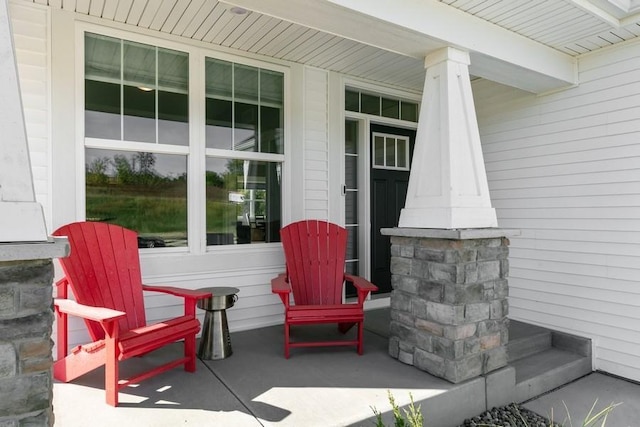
(150, 211)
(221, 217)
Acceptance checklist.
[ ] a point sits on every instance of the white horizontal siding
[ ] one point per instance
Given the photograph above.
(30, 34)
(565, 169)
(316, 143)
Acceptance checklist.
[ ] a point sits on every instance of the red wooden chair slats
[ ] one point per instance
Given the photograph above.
(103, 272)
(315, 254)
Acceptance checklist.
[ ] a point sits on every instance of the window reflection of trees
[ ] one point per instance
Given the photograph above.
(126, 189)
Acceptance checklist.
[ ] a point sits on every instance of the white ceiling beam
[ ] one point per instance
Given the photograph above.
(618, 14)
(416, 28)
(596, 11)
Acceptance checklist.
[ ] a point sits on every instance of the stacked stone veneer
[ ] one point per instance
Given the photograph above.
(25, 343)
(449, 305)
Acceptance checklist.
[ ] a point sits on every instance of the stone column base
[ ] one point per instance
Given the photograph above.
(449, 302)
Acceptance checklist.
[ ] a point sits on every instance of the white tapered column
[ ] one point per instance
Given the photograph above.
(448, 184)
(21, 217)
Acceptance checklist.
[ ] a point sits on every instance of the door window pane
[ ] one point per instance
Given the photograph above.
(351, 159)
(351, 171)
(378, 150)
(390, 152)
(351, 137)
(375, 105)
(403, 155)
(351, 207)
(352, 244)
(145, 192)
(352, 101)
(391, 108)
(370, 104)
(409, 111)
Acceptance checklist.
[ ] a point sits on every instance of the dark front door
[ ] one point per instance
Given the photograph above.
(391, 150)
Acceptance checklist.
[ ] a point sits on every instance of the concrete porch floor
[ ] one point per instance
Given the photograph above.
(256, 386)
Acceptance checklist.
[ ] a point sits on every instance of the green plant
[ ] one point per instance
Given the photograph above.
(591, 419)
(411, 418)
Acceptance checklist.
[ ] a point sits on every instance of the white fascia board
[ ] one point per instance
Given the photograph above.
(417, 27)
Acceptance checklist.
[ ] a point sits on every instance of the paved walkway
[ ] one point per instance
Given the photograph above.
(572, 403)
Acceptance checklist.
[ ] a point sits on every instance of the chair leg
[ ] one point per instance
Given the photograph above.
(190, 352)
(360, 337)
(111, 372)
(286, 340)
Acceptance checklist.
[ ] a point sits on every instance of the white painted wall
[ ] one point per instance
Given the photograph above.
(565, 169)
(316, 143)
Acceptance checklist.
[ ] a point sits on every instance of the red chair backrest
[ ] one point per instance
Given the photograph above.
(103, 270)
(315, 255)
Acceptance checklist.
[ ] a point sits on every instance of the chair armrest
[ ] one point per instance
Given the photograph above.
(280, 284)
(363, 286)
(98, 314)
(178, 292)
(62, 290)
(360, 283)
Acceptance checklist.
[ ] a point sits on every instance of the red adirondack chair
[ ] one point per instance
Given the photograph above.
(103, 271)
(314, 255)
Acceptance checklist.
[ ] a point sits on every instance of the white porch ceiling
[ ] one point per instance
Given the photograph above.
(372, 47)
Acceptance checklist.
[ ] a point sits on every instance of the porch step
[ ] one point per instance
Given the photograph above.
(545, 359)
(526, 340)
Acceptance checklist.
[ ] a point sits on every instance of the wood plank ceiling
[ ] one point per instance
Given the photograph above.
(560, 24)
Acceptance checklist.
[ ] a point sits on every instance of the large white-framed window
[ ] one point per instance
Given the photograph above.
(244, 152)
(172, 167)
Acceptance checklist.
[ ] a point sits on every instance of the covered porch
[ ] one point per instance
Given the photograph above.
(257, 386)
(555, 91)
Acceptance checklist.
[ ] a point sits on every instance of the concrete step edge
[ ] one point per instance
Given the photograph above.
(548, 379)
(527, 346)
